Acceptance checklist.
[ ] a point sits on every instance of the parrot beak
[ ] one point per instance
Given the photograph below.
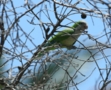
(86, 27)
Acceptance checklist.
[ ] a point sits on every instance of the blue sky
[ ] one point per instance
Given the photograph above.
(94, 29)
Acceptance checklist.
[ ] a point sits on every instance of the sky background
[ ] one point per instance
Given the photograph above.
(95, 29)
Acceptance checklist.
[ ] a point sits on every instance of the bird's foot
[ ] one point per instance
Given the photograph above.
(72, 47)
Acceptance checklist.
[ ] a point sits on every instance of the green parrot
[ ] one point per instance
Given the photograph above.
(54, 72)
(65, 38)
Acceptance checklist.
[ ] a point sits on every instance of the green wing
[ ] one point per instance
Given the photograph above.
(57, 40)
(61, 36)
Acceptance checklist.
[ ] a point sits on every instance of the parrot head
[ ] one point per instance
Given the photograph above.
(80, 26)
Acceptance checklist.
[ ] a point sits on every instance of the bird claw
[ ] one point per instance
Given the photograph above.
(72, 47)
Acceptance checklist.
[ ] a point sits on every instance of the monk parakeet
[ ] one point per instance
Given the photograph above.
(65, 38)
(60, 68)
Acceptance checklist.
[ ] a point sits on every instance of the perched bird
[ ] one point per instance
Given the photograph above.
(65, 38)
(54, 75)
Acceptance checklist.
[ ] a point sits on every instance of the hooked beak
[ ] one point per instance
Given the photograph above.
(86, 27)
